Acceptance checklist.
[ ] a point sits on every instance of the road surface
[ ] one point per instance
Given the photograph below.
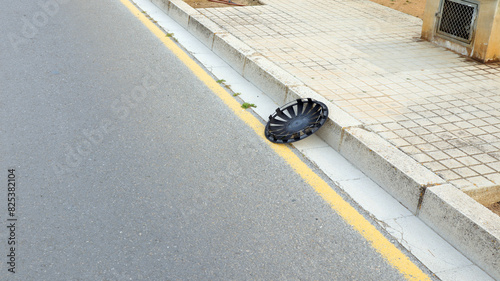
(127, 167)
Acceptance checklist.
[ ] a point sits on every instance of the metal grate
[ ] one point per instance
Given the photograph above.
(457, 20)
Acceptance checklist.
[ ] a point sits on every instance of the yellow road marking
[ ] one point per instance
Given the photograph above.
(392, 254)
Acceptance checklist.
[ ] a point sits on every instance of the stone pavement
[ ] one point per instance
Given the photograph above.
(438, 107)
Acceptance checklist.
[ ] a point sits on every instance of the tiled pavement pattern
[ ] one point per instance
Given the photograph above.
(440, 108)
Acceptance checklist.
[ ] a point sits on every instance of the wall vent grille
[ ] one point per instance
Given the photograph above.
(457, 20)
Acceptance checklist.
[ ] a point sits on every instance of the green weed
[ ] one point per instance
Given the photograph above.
(247, 105)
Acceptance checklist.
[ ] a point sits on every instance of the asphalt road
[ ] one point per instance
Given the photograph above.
(128, 168)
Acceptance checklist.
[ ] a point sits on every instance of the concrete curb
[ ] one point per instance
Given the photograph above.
(397, 173)
(464, 223)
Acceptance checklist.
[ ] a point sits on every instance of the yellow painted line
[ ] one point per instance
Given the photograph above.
(392, 254)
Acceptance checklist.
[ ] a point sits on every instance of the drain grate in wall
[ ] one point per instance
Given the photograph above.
(456, 20)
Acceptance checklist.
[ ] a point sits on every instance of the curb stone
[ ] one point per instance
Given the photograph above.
(204, 29)
(180, 11)
(397, 173)
(456, 216)
(235, 53)
(463, 222)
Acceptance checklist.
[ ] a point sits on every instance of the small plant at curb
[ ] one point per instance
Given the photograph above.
(171, 35)
(247, 105)
(236, 94)
(220, 81)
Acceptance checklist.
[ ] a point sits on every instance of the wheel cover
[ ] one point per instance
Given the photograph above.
(296, 121)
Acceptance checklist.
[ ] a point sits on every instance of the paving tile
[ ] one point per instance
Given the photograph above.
(492, 120)
(464, 125)
(488, 148)
(404, 133)
(465, 172)
(398, 142)
(495, 177)
(461, 134)
(451, 163)
(454, 152)
(495, 155)
(468, 161)
(427, 147)
(490, 130)
(495, 166)
(450, 127)
(448, 175)
(447, 135)
(482, 169)
(461, 183)
(485, 158)
(415, 140)
(471, 150)
(410, 150)
(438, 155)
(476, 131)
(480, 181)
(435, 128)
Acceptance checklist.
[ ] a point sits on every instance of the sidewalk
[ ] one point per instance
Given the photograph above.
(438, 107)
(421, 121)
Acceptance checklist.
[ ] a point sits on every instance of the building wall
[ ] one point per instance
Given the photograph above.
(493, 52)
(485, 45)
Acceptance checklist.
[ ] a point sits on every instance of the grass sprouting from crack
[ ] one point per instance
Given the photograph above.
(171, 35)
(247, 105)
